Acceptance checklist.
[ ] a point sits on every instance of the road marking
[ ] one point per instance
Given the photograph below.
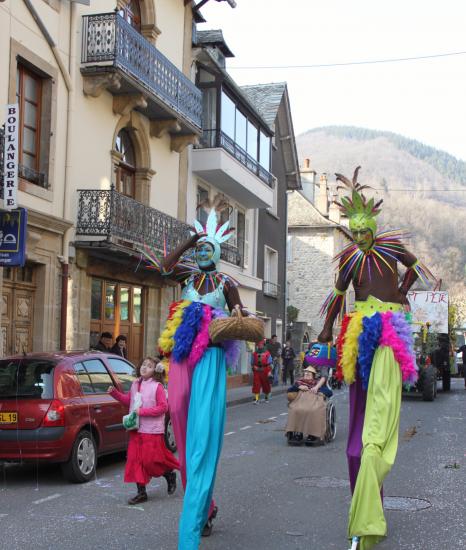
(272, 418)
(283, 414)
(245, 428)
(229, 433)
(46, 499)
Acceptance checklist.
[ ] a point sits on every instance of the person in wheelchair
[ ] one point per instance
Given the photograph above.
(307, 415)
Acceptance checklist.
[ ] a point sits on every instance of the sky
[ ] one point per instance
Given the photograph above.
(423, 99)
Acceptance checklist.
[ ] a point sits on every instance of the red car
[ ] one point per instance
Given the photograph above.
(54, 407)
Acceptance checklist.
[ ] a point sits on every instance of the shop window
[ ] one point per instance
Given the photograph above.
(96, 299)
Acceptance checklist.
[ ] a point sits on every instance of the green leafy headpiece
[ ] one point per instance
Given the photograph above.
(360, 211)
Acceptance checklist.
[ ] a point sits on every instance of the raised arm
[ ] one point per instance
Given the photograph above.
(169, 263)
(333, 305)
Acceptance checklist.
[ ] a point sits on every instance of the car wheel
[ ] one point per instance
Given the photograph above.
(83, 460)
(169, 435)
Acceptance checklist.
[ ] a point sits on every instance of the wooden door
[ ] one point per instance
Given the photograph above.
(17, 310)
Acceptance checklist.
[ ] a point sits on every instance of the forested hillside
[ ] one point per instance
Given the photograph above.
(424, 189)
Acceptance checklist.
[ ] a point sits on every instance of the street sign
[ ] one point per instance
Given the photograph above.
(11, 157)
(13, 224)
(429, 306)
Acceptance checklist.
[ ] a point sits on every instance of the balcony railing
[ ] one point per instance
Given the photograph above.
(109, 214)
(109, 41)
(217, 138)
(271, 289)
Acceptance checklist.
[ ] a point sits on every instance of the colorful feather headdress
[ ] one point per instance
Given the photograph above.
(214, 234)
(360, 211)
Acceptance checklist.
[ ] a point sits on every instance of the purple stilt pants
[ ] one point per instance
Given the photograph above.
(357, 409)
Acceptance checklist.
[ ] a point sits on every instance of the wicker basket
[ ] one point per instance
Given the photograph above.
(236, 327)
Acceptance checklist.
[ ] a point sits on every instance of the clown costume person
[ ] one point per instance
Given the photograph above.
(197, 381)
(375, 354)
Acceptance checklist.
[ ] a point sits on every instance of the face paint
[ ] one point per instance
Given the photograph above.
(363, 238)
(204, 254)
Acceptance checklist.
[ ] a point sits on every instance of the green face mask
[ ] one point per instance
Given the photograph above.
(363, 238)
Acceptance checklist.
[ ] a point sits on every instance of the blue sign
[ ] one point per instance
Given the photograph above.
(13, 224)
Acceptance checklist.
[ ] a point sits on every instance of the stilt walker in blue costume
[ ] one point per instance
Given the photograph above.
(375, 355)
(197, 374)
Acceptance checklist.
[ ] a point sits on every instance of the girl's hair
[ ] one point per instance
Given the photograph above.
(158, 376)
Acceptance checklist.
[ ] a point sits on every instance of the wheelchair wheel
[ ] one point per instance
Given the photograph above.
(331, 430)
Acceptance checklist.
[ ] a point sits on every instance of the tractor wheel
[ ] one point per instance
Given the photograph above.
(429, 384)
(446, 378)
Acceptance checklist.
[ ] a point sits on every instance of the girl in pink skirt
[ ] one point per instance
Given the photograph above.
(147, 454)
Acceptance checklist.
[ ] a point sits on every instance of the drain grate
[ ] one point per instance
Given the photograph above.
(406, 504)
(323, 482)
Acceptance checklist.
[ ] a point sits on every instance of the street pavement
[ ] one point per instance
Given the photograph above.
(270, 496)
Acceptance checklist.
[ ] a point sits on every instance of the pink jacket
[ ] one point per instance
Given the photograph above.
(154, 405)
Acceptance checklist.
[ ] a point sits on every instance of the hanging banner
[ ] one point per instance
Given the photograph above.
(429, 306)
(11, 157)
(13, 226)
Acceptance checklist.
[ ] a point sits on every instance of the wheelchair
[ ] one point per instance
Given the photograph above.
(296, 439)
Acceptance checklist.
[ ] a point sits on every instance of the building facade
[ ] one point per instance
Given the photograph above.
(108, 110)
(315, 236)
(272, 101)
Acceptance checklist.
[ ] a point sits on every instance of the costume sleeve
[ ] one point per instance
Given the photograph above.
(124, 398)
(160, 408)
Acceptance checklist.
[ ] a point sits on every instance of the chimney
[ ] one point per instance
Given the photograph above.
(322, 197)
(308, 180)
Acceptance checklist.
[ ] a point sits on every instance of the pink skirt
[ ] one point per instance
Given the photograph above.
(148, 457)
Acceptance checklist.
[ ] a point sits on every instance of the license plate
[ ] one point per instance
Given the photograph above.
(8, 417)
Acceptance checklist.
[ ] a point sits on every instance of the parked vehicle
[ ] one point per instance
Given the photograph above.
(54, 407)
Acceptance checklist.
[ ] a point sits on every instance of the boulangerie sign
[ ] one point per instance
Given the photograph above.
(11, 157)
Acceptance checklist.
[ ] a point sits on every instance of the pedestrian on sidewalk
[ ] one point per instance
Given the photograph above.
(147, 454)
(462, 350)
(288, 356)
(261, 368)
(275, 349)
(119, 348)
(105, 342)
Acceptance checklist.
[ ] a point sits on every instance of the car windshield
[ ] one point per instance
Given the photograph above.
(26, 377)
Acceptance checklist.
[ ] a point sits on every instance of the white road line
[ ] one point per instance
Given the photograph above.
(46, 499)
(245, 428)
(283, 414)
(272, 418)
(229, 433)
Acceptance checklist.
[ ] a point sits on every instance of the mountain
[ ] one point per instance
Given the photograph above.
(423, 188)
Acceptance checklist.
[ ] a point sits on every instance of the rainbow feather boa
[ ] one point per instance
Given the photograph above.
(361, 336)
(186, 333)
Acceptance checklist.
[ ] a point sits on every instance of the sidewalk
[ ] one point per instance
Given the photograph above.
(243, 394)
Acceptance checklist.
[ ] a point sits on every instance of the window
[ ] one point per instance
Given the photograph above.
(240, 130)
(123, 371)
(29, 98)
(131, 12)
(202, 203)
(209, 116)
(264, 151)
(98, 375)
(83, 378)
(26, 378)
(110, 300)
(270, 272)
(137, 305)
(252, 140)
(126, 168)
(228, 116)
(96, 299)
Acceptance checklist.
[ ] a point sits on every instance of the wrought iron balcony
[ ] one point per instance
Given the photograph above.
(217, 138)
(270, 289)
(110, 44)
(125, 221)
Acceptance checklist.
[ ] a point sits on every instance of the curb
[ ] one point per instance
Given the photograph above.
(248, 398)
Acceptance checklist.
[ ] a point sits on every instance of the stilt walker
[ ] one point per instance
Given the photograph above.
(375, 354)
(197, 375)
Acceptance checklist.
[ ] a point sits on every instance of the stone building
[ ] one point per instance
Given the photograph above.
(315, 235)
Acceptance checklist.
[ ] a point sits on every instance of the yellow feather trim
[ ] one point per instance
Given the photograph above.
(350, 347)
(166, 340)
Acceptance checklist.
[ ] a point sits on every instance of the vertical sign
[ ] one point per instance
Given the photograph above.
(11, 157)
